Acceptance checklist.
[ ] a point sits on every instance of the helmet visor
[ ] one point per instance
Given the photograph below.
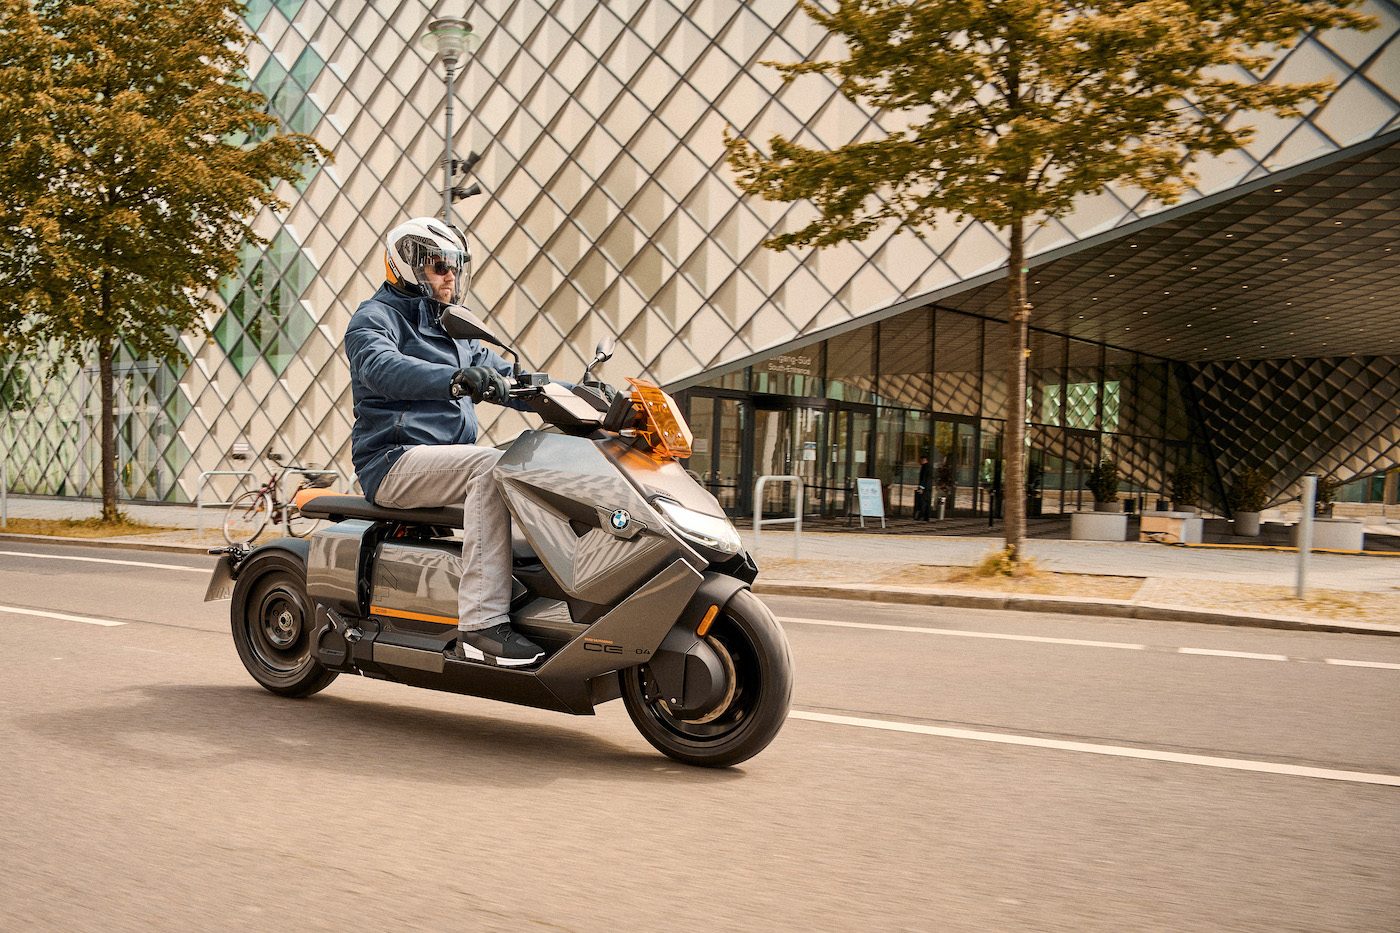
(443, 271)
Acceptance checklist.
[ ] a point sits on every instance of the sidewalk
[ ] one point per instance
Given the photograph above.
(1353, 593)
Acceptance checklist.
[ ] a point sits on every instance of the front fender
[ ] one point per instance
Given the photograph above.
(685, 670)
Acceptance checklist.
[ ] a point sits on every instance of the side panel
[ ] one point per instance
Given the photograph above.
(418, 578)
(626, 636)
(564, 493)
(333, 566)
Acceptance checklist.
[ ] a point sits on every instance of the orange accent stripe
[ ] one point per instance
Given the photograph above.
(405, 614)
(705, 623)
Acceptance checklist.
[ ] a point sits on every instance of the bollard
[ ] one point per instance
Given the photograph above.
(1305, 531)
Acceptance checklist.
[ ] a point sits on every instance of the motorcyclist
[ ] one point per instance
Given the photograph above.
(413, 443)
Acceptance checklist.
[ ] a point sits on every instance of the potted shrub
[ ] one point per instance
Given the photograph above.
(1186, 482)
(1103, 483)
(1248, 495)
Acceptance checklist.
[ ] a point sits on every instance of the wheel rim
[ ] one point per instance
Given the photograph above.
(742, 697)
(277, 624)
(244, 523)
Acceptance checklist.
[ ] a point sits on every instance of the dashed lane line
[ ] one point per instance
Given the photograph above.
(1383, 665)
(1085, 643)
(1117, 751)
(62, 616)
(1001, 636)
(108, 560)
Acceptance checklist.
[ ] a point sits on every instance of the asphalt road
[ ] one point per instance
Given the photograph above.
(1086, 774)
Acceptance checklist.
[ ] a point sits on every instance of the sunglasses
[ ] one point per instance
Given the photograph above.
(442, 268)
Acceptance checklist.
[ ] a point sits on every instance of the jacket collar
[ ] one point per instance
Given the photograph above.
(421, 312)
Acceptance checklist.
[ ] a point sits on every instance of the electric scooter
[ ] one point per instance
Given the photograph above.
(626, 571)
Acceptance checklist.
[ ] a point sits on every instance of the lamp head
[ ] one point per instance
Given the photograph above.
(452, 38)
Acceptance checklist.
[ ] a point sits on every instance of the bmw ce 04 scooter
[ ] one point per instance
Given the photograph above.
(626, 571)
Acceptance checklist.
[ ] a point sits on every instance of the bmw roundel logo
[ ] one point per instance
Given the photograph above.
(621, 519)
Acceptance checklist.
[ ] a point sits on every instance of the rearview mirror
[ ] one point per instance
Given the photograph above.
(461, 324)
(605, 348)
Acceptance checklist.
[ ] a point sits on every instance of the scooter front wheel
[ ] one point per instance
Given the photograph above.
(758, 666)
(272, 624)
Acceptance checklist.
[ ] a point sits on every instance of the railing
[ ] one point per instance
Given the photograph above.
(759, 521)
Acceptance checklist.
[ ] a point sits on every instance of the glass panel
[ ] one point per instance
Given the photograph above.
(728, 462)
(957, 363)
(787, 442)
(700, 414)
(850, 366)
(1044, 377)
(1178, 425)
(990, 479)
(1082, 385)
(906, 360)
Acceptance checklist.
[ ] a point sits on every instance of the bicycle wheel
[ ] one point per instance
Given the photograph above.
(298, 525)
(246, 518)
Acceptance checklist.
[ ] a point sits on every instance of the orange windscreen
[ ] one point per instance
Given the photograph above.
(666, 429)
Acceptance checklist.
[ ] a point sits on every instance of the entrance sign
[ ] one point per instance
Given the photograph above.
(872, 501)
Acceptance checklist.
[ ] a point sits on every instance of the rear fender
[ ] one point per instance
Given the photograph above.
(232, 560)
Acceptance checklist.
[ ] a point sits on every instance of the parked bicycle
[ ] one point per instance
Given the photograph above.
(250, 513)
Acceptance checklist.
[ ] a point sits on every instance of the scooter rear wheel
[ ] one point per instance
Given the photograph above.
(756, 659)
(272, 624)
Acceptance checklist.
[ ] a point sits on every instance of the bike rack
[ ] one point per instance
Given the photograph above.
(199, 502)
(759, 521)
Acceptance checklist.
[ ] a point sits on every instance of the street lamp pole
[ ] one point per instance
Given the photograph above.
(452, 39)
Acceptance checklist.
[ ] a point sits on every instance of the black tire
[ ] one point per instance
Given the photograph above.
(272, 619)
(762, 675)
(246, 517)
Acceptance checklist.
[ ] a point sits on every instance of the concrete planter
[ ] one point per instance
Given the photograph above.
(1098, 526)
(1247, 524)
(1339, 534)
(1171, 527)
(1115, 506)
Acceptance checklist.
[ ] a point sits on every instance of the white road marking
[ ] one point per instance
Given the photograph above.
(1217, 653)
(964, 634)
(1085, 643)
(1384, 665)
(87, 620)
(108, 560)
(1117, 751)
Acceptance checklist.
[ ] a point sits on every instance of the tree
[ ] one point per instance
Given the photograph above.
(133, 161)
(1015, 108)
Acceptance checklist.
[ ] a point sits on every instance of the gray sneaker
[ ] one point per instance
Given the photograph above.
(498, 645)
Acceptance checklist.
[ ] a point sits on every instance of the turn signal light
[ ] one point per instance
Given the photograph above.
(666, 430)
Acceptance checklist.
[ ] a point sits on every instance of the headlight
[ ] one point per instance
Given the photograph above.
(713, 532)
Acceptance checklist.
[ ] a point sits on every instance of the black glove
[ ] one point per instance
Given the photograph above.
(481, 384)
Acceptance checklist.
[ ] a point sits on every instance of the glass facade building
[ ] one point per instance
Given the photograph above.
(609, 211)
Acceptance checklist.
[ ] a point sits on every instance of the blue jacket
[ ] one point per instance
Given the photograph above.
(401, 368)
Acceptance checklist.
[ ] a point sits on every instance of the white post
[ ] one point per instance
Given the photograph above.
(1305, 531)
(4, 492)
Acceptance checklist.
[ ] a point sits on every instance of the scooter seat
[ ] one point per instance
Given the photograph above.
(337, 508)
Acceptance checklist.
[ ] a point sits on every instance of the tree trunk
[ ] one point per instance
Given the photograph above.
(1014, 482)
(109, 431)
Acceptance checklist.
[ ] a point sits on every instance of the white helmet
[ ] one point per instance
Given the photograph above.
(421, 245)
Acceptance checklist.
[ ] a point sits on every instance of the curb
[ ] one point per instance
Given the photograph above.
(1116, 609)
(124, 544)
